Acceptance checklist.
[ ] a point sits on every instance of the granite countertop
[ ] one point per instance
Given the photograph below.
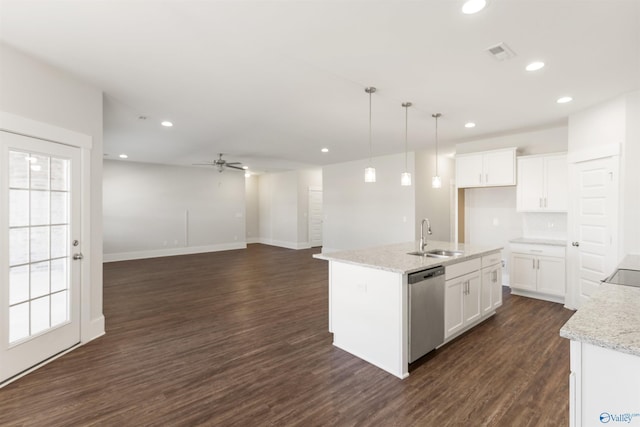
(536, 241)
(611, 318)
(395, 258)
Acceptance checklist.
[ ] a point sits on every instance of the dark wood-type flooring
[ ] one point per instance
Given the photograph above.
(240, 338)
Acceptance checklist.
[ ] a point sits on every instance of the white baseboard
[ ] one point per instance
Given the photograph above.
(126, 256)
(284, 244)
(94, 330)
(537, 295)
(253, 240)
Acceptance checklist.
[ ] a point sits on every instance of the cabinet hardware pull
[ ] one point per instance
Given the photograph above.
(533, 263)
(480, 178)
(538, 264)
(540, 202)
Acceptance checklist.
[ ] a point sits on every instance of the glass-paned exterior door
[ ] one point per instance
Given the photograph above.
(40, 301)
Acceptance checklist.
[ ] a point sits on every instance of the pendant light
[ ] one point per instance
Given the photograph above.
(370, 171)
(405, 177)
(436, 182)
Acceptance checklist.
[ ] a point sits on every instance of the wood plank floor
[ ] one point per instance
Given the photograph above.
(239, 338)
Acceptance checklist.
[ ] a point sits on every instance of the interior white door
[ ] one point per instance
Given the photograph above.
(595, 212)
(39, 233)
(315, 217)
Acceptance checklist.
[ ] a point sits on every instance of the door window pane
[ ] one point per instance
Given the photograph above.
(59, 174)
(59, 241)
(18, 284)
(39, 315)
(59, 312)
(39, 279)
(59, 208)
(59, 279)
(18, 208)
(39, 243)
(18, 246)
(39, 207)
(39, 170)
(18, 170)
(18, 322)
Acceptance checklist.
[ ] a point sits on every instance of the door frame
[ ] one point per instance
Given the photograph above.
(34, 129)
(309, 190)
(573, 159)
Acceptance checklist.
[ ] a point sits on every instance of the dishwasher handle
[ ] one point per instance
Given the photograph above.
(430, 273)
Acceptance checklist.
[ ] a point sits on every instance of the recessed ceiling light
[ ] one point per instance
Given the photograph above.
(245, 167)
(325, 150)
(564, 100)
(473, 6)
(535, 66)
(123, 156)
(167, 124)
(469, 125)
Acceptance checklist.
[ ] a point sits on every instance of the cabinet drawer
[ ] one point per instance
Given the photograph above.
(546, 250)
(491, 259)
(461, 268)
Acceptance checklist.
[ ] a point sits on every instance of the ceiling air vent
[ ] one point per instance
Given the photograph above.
(501, 52)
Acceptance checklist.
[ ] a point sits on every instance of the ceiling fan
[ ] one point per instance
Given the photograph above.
(221, 164)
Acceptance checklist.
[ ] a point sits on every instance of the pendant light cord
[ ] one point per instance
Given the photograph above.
(406, 132)
(436, 115)
(370, 143)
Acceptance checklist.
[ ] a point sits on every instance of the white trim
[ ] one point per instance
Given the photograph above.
(252, 240)
(85, 247)
(157, 253)
(537, 295)
(594, 153)
(31, 128)
(285, 244)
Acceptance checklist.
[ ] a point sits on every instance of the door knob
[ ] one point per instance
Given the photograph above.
(78, 256)
(575, 243)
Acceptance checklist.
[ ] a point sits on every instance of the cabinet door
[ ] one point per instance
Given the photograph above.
(551, 275)
(471, 304)
(496, 290)
(523, 271)
(499, 168)
(453, 315)
(486, 305)
(469, 170)
(530, 189)
(556, 183)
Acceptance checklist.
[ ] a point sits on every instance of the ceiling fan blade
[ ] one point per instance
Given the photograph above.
(203, 164)
(229, 165)
(234, 163)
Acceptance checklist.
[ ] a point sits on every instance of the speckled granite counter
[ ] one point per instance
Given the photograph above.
(533, 241)
(611, 318)
(395, 257)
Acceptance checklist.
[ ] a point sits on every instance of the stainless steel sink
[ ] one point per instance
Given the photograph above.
(437, 253)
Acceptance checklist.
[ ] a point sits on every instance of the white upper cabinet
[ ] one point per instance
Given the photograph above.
(542, 183)
(486, 169)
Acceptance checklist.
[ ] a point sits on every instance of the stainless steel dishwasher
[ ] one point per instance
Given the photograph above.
(426, 311)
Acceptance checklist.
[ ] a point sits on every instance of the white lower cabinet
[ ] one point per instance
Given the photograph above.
(538, 271)
(471, 292)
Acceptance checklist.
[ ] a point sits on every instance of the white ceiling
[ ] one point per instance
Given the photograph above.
(272, 82)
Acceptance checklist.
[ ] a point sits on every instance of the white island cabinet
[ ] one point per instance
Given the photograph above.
(604, 382)
(369, 298)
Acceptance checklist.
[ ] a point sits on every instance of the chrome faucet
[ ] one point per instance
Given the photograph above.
(423, 240)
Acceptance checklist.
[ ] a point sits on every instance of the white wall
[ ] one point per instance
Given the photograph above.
(541, 141)
(434, 203)
(252, 211)
(359, 214)
(38, 91)
(155, 210)
(630, 241)
(283, 207)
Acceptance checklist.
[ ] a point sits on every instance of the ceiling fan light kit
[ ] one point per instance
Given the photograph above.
(222, 164)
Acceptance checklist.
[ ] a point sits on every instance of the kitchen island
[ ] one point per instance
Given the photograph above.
(369, 297)
(605, 355)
